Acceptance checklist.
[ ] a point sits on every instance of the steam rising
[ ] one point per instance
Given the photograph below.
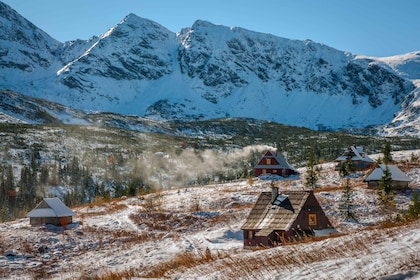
(191, 166)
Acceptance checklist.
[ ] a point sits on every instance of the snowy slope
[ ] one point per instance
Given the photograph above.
(138, 67)
(154, 233)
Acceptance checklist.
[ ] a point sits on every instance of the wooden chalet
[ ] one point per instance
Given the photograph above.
(274, 163)
(279, 218)
(399, 179)
(51, 211)
(361, 161)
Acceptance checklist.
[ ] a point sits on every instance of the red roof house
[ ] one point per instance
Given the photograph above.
(274, 163)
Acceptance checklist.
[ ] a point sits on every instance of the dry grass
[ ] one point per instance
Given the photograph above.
(107, 236)
(170, 221)
(249, 264)
(183, 261)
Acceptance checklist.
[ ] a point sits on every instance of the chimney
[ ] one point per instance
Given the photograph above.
(274, 193)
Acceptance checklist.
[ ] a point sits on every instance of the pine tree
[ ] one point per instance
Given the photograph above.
(387, 153)
(347, 205)
(386, 190)
(311, 177)
(347, 167)
(414, 208)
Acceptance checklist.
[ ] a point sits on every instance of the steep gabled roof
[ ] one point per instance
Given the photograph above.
(50, 207)
(396, 173)
(282, 162)
(268, 216)
(356, 153)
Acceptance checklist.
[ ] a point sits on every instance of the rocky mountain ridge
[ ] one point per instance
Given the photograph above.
(140, 68)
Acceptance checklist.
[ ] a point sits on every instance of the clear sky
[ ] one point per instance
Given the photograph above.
(367, 27)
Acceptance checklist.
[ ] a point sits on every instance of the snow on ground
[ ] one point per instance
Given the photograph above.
(144, 233)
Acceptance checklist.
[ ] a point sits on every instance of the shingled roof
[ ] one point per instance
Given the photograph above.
(49, 208)
(277, 213)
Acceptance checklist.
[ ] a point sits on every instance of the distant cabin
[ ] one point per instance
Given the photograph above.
(51, 211)
(361, 161)
(399, 179)
(280, 218)
(274, 163)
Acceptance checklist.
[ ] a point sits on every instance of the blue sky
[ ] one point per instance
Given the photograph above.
(367, 27)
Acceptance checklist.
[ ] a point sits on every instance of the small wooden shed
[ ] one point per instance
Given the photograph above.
(51, 211)
(279, 218)
(274, 163)
(399, 179)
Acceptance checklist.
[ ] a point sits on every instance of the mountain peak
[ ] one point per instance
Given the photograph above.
(139, 67)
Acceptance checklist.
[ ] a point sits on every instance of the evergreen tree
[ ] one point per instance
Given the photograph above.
(387, 153)
(347, 167)
(386, 190)
(347, 205)
(44, 175)
(414, 208)
(311, 176)
(74, 170)
(9, 183)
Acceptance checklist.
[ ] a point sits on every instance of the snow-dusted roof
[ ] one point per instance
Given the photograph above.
(283, 164)
(279, 215)
(50, 207)
(396, 173)
(356, 153)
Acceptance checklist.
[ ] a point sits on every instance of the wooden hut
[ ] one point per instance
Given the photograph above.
(399, 179)
(279, 218)
(274, 163)
(51, 211)
(360, 160)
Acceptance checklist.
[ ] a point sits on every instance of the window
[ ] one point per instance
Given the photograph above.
(312, 219)
(264, 171)
(268, 161)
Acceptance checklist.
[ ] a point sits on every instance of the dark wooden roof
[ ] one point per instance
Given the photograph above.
(279, 215)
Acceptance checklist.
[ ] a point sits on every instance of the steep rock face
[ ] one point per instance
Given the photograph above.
(135, 49)
(139, 67)
(25, 50)
(225, 58)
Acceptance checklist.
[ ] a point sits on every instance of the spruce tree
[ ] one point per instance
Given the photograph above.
(311, 177)
(347, 167)
(387, 153)
(386, 190)
(347, 205)
(414, 208)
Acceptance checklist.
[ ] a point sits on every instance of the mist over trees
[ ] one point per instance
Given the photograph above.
(22, 188)
(82, 163)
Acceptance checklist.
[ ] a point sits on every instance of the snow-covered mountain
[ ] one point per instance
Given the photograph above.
(208, 71)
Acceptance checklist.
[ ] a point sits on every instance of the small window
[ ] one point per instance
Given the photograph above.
(268, 161)
(312, 219)
(264, 171)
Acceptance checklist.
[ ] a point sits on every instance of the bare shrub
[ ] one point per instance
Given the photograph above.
(411, 262)
(26, 247)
